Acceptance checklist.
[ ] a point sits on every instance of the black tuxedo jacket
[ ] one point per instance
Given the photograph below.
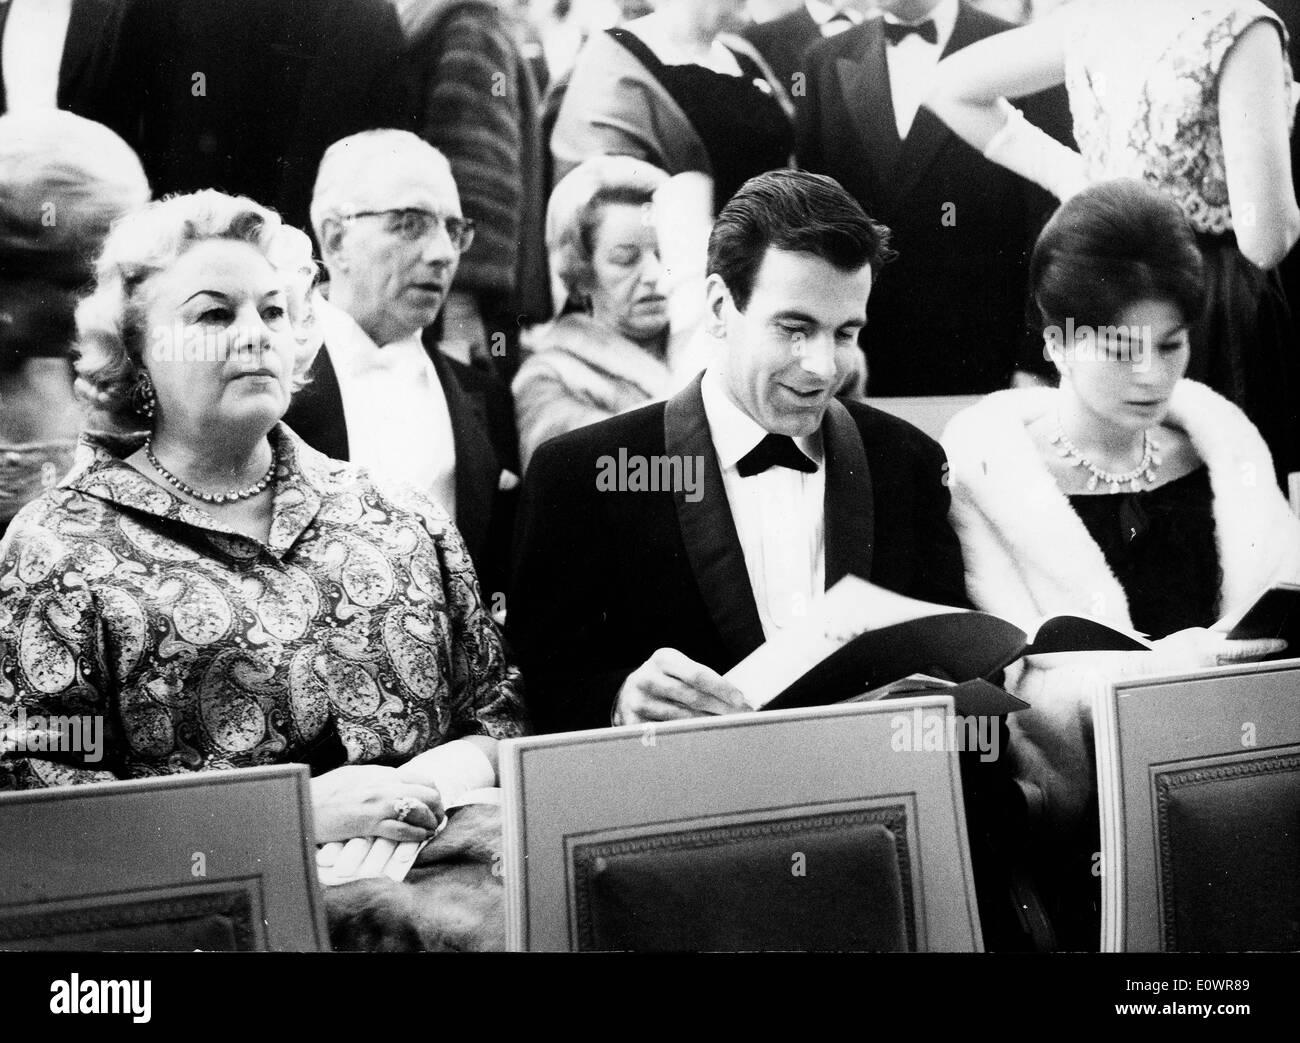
(88, 54)
(246, 95)
(948, 316)
(603, 579)
(487, 448)
(784, 41)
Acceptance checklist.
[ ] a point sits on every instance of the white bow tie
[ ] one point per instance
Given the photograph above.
(402, 359)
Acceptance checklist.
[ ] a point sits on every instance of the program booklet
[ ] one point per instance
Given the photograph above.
(860, 638)
(1275, 613)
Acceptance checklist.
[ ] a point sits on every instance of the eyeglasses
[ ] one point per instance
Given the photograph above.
(414, 225)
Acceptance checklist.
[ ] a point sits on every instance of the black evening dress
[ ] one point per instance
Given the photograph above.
(743, 127)
(1160, 544)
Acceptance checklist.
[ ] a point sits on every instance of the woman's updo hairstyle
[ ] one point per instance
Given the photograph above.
(575, 209)
(63, 181)
(1111, 246)
(112, 338)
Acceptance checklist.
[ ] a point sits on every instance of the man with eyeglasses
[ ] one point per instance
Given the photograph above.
(387, 215)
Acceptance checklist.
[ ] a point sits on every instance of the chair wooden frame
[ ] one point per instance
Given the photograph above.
(1157, 734)
(90, 867)
(641, 786)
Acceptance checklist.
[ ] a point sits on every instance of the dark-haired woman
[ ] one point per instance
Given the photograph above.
(1195, 97)
(1128, 494)
(63, 181)
(676, 90)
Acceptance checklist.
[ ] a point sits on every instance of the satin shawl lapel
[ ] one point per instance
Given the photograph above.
(929, 134)
(849, 511)
(316, 413)
(864, 83)
(478, 472)
(708, 530)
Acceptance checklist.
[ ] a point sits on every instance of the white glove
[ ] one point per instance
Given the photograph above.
(453, 769)
(1197, 647)
(1036, 156)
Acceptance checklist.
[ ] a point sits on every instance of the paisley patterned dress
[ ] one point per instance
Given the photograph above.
(358, 627)
(1143, 82)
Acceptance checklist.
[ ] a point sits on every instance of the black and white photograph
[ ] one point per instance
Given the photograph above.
(630, 477)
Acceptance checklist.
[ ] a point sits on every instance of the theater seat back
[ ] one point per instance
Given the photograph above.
(218, 861)
(790, 830)
(1199, 782)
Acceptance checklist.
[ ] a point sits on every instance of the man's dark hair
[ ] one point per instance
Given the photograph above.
(795, 211)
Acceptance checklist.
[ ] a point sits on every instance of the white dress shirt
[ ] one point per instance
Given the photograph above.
(822, 12)
(34, 36)
(912, 62)
(779, 514)
(394, 406)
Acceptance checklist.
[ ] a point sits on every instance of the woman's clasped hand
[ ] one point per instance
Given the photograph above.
(364, 800)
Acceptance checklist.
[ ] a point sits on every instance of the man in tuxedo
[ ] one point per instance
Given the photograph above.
(633, 603)
(784, 41)
(388, 217)
(57, 54)
(633, 597)
(948, 317)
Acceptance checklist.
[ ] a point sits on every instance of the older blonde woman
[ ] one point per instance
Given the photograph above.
(219, 593)
(608, 350)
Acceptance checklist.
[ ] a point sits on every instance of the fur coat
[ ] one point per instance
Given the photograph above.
(1028, 555)
(582, 372)
(453, 900)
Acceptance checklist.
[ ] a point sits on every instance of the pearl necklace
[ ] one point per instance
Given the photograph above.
(227, 497)
(1133, 479)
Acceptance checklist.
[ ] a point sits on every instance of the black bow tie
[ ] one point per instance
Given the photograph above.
(839, 16)
(774, 451)
(927, 31)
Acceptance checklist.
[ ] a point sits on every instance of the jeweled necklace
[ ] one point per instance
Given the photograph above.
(232, 496)
(1133, 479)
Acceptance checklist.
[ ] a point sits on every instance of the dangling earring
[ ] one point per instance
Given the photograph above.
(146, 401)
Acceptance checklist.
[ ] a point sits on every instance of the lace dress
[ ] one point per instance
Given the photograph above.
(1143, 82)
